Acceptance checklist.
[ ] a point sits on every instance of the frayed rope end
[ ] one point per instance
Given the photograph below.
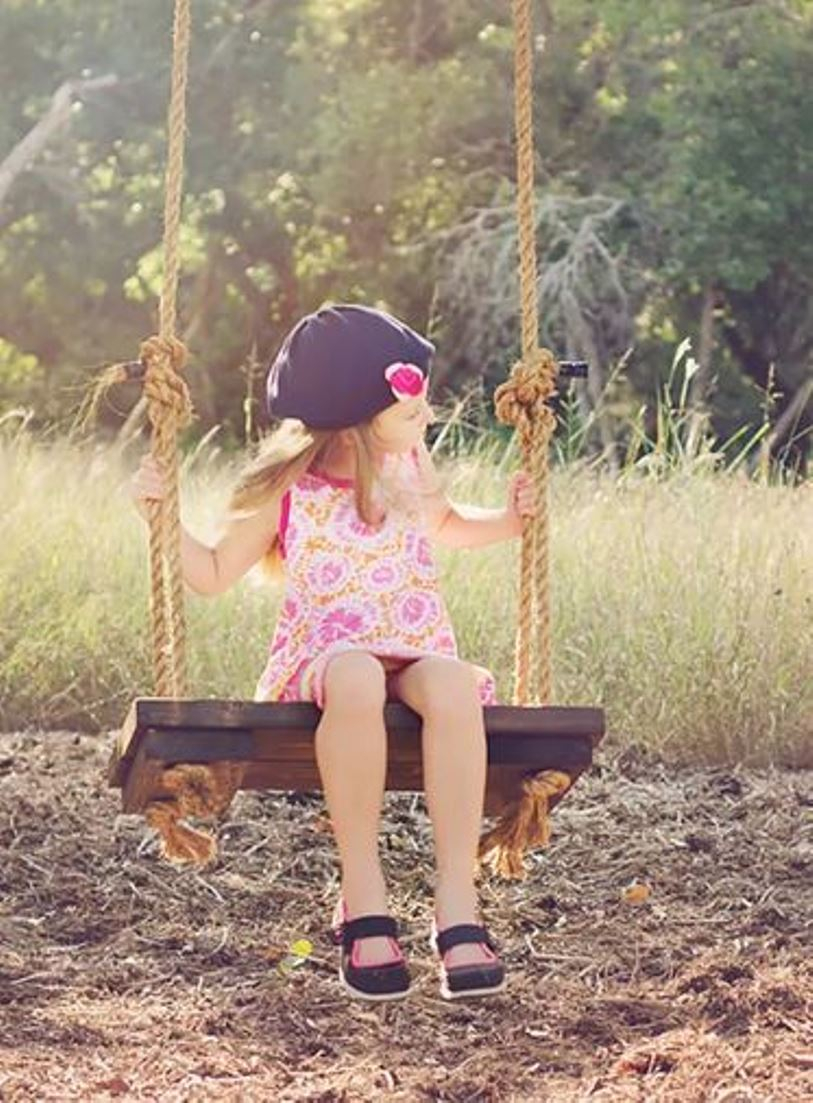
(525, 824)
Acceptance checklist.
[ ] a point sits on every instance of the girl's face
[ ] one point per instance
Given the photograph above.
(401, 426)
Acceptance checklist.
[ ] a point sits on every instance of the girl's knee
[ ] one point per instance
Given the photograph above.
(448, 686)
(355, 680)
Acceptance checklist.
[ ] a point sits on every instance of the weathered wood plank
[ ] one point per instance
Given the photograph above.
(292, 719)
(287, 750)
(276, 742)
(143, 783)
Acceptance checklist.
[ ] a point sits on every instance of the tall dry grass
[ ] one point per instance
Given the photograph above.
(682, 603)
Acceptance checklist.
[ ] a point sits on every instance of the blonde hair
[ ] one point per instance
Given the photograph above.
(291, 450)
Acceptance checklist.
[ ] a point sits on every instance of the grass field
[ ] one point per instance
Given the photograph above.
(682, 604)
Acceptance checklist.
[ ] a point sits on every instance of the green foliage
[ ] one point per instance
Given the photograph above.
(21, 375)
(364, 149)
(668, 436)
(739, 176)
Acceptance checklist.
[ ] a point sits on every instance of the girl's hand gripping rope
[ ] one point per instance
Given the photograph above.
(521, 499)
(147, 485)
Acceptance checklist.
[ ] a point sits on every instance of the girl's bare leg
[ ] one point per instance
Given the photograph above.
(351, 752)
(444, 692)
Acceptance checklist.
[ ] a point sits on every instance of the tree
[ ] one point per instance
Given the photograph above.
(364, 150)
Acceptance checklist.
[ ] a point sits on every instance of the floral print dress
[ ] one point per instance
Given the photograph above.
(351, 586)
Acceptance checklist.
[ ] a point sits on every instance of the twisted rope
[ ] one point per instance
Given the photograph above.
(191, 790)
(176, 130)
(203, 791)
(168, 405)
(523, 402)
(169, 409)
(524, 127)
(525, 824)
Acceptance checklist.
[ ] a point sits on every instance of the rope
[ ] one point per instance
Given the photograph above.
(169, 409)
(203, 791)
(523, 402)
(168, 405)
(197, 790)
(524, 126)
(192, 790)
(176, 129)
(525, 824)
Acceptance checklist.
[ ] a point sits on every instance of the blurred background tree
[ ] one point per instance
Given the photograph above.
(363, 149)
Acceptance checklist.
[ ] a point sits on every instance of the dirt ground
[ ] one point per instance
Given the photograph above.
(124, 978)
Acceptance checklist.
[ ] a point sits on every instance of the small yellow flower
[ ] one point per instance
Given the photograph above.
(298, 954)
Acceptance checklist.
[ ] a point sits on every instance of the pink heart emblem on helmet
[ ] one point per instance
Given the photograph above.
(406, 381)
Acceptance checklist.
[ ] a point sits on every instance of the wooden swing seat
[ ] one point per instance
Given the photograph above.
(275, 742)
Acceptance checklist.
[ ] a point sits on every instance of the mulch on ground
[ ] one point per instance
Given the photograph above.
(124, 978)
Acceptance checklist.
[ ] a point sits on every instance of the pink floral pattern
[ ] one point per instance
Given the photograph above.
(327, 573)
(350, 587)
(382, 577)
(417, 611)
(349, 526)
(348, 621)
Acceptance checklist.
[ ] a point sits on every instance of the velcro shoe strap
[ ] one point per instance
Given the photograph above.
(368, 926)
(463, 932)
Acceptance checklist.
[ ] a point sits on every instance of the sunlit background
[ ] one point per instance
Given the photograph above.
(363, 150)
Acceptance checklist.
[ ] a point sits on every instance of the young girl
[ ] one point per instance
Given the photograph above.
(345, 498)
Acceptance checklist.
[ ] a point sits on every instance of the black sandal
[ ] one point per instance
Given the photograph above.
(370, 982)
(460, 981)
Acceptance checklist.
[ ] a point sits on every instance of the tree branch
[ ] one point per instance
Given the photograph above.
(793, 413)
(56, 118)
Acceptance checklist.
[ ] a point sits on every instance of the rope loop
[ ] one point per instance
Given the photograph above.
(165, 388)
(522, 401)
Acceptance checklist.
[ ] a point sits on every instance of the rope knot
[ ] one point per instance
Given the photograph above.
(522, 401)
(192, 790)
(167, 394)
(526, 824)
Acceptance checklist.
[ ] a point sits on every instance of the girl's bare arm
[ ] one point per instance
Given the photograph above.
(465, 526)
(212, 570)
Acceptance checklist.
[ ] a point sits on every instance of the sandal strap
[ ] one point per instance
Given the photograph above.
(463, 932)
(368, 926)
